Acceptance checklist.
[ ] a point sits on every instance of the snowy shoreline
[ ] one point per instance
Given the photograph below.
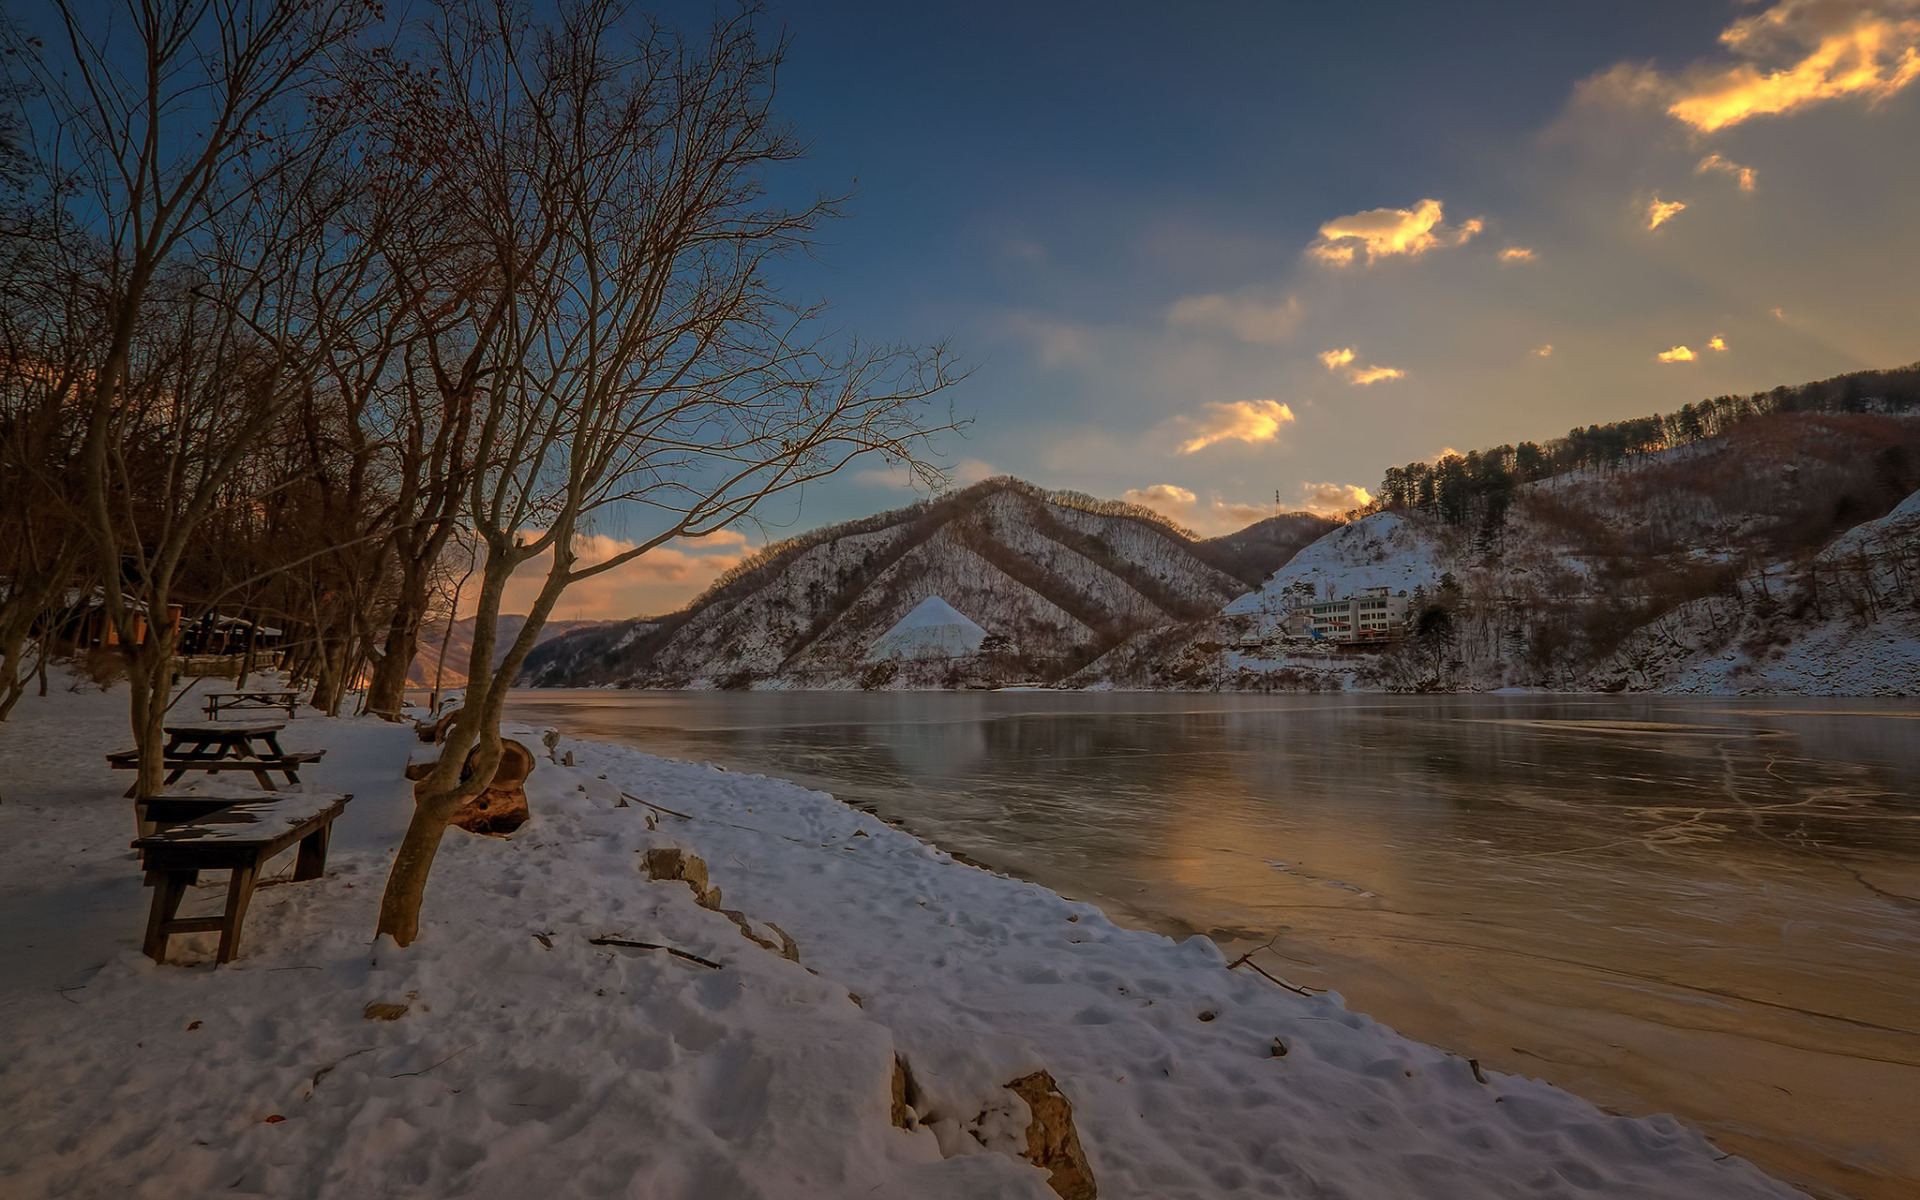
(529, 1059)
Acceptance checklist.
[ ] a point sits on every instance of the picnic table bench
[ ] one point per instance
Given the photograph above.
(238, 837)
(254, 698)
(252, 747)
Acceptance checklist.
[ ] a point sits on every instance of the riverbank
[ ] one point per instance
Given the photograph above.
(525, 1058)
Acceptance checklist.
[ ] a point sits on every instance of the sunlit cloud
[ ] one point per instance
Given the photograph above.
(1249, 421)
(1209, 517)
(1333, 499)
(1678, 354)
(1793, 55)
(1363, 376)
(1385, 232)
(1248, 318)
(1517, 254)
(661, 580)
(1342, 362)
(1717, 343)
(1779, 314)
(1745, 177)
(1659, 211)
(1545, 351)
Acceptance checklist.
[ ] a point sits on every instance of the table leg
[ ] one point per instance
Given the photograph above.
(171, 886)
(273, 743)
(239, 892)
(312, 860)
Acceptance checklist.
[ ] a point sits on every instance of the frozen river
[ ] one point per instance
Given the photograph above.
(1708, 907)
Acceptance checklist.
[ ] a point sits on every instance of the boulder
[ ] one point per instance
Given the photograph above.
(1052, 1143)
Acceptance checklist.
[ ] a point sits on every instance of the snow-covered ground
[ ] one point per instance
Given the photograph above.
(529, 1061)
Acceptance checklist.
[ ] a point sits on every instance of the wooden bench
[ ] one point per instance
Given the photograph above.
(238, 838)
(251, 699)
(260, 768)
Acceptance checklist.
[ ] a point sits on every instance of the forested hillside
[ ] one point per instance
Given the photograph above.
(1054, 578)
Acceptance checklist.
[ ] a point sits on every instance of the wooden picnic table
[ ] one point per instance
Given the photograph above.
(238, 837)
(251, 698)
(251, 739)
(214, 749)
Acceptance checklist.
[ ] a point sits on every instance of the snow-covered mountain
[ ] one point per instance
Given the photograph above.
(1052, 580)
(1780, 556)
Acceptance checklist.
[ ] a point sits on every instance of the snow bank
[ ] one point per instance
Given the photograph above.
(529, 1061)
(1383, 550)
(934, 629)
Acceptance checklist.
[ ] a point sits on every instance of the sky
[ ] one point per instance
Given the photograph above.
(1227, 259)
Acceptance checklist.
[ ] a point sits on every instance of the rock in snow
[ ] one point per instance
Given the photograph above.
(934, 629)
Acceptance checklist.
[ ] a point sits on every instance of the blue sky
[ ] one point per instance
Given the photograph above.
(1128, 219)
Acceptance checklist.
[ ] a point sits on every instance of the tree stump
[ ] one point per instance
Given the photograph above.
(502, 808)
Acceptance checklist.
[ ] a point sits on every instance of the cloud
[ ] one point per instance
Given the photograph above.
(1779, 314)
(1341, 361)
(1362, 376)
(1796, 54)
(661, 580)
(1248, 318)
(1545, 351)
(1717, 343)
(1745, 177)
(1386, 232)
(1659, 212)
(1678, 354)
(1333, 499)
(964, 473)
(1209, 518)
(1250, 421)
(1517, 254)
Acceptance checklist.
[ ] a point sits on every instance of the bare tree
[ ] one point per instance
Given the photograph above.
(646, 377)
(188, 167)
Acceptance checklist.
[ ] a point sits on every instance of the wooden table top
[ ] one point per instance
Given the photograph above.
(213, 730)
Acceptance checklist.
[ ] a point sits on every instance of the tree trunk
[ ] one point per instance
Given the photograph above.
(387, 692)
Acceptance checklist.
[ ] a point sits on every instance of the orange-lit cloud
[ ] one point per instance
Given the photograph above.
(1333, 499)
(1545, 351)
(1659, 211)
(1386, 232)
(1678, 354)
(1210, 517)
(1363, 376)
(1341, 361)
(1250, 421)
(1745, 177)
(1717, 343)
(1793, 55)
(659, 581)
(1514, 254)
(1249, 318)
(1779, 314)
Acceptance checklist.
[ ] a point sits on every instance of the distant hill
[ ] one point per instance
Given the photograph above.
(1265, 546)
(1054, 579)
(426, 662)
